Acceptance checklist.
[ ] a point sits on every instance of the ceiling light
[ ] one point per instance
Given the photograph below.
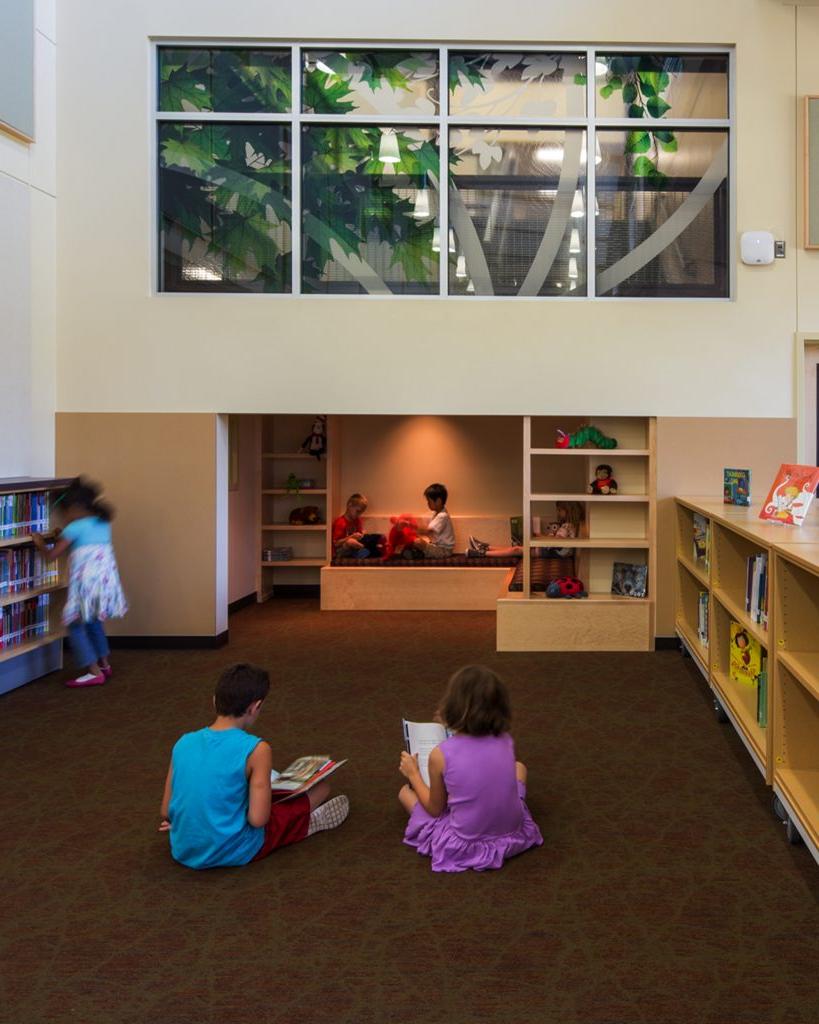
(578, 206)
(388, 150)
(471, 287)
(420, 209)
(574, 244)
(601, 69)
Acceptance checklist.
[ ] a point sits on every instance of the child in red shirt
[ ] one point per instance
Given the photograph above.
(348, 530)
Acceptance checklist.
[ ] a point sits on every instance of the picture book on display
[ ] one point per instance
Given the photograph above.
(790, 495)
(702, 539)
(629, 580)
(736, 486)
(302, 775)
(746, 656)
(421, 738)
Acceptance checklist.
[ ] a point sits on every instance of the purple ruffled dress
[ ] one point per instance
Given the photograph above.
(486, 819)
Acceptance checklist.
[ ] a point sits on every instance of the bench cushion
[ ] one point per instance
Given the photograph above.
(455, 560)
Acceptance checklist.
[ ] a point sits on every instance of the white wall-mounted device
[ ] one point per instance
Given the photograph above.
(757, 248)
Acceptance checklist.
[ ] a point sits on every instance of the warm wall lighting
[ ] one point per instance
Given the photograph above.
(388, 152)
(578, 206)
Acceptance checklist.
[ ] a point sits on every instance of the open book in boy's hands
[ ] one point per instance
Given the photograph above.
(421, 738)
(303, 774)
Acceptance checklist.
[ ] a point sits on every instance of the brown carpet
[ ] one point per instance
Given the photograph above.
(665, 891)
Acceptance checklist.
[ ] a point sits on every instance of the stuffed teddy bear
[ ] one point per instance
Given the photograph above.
(307, 516)
(566, 586)
(404, 531)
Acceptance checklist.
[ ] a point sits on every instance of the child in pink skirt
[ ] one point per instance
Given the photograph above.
(473, 812)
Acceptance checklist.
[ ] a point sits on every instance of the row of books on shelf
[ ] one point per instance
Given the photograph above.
(756, 589)
(22, 514)
(25, 569)
(748, 665)
(24, 621)
(702, 540)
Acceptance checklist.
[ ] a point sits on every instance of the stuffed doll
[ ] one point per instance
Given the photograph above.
(404, 531)
(604, 482)
(316, 443)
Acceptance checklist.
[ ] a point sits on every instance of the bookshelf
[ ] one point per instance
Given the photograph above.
(32, 591)
(280, 437)
(616, 528)
(786, 749)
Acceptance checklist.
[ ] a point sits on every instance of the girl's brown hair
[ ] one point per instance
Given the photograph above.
(476, 702)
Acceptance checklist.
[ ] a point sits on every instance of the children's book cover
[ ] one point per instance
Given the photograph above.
(790, 495)
(736, 486)
(702, 538)
(746, 656)
(629, 580)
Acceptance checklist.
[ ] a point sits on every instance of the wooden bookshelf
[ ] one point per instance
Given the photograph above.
(24, 661)
(786, 750)
(279, 439)
(617, 528)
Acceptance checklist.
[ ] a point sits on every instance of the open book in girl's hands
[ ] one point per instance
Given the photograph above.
(303, 774)
(421, 738)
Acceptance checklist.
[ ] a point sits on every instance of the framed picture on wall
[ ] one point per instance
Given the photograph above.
(812, 172)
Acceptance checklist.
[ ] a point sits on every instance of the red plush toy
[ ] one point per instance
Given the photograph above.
(404, 531)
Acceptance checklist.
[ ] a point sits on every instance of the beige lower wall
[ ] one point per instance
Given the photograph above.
(159, 472)
(691, 455)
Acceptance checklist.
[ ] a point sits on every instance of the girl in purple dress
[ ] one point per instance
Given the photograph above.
(473, 813)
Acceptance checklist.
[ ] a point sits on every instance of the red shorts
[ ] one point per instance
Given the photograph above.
(288, 824)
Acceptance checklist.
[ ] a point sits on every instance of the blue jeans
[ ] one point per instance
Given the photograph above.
(88, 642)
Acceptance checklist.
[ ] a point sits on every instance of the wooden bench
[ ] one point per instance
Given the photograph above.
(419, 587)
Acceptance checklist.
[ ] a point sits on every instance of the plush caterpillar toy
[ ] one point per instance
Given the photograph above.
(584, 436)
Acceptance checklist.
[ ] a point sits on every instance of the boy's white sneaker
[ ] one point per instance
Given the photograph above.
(329, 815)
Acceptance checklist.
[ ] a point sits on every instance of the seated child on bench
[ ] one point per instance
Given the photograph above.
(437, 538)
(218, 804)
(348, 530)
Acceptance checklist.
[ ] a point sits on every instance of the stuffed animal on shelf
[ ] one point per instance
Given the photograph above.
(586, 436)
(566, 586)
(604, 482)
(404, 531)
(310, 515)
(316, 442)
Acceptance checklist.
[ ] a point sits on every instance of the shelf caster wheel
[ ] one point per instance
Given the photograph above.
(792, 832)
(719, 711)
(684, 650)
(779, 810)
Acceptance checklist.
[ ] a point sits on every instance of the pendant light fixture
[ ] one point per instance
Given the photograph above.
(388, 152)
(451, 240)
(574, 244)
(460, 267)
(573, 275)
(578, 206)
(420, 208)
(436, 239)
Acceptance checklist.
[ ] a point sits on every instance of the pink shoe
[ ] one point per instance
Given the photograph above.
(86, 680)
(107, 671)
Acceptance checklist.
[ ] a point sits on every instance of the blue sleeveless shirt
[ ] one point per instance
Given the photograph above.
(209, 799)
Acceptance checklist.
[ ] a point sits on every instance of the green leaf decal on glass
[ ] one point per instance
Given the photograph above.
(638, 142)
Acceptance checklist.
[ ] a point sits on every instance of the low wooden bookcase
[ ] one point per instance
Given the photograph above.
(786, 750)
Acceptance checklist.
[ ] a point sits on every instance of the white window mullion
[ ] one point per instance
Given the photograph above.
(295, 172)
(591, 175)
(443, 170)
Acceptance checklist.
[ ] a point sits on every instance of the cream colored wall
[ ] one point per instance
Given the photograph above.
(691, 456)
(122, 349)
(28, 274)
(160, 473)
(392, 459)
(242, 515)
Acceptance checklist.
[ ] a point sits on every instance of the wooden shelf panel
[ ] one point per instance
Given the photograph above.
(741, 616)
(741, 700)
(292, 494)
(614, 498)
(13, 652)
(281, 527)
(601, 452)
(696, 571)
(694, 645)
(295, 563)
(596, 597)
(804, 667)
(17, 542)
(601, 543)
(800, 787)
(24, 595)
(287, 455)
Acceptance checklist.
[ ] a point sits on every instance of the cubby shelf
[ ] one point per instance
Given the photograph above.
(30, 645)
(596, 452)
(295, 563)
(787, 750)
(18, 542)
(289, 456)
(283, 527)
(696, 570)
(295, 494)
(613, 498)
(602, 543)
(24, 595)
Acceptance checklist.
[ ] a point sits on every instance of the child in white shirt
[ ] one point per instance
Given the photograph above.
(437, 539)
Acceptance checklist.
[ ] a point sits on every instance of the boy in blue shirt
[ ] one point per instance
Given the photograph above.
(217, 804)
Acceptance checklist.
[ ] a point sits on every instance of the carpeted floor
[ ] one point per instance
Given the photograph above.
(665, 892)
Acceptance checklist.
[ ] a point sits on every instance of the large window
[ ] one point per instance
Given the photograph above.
(569, 173)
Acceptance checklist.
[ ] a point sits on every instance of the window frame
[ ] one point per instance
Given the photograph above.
(441, 122)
